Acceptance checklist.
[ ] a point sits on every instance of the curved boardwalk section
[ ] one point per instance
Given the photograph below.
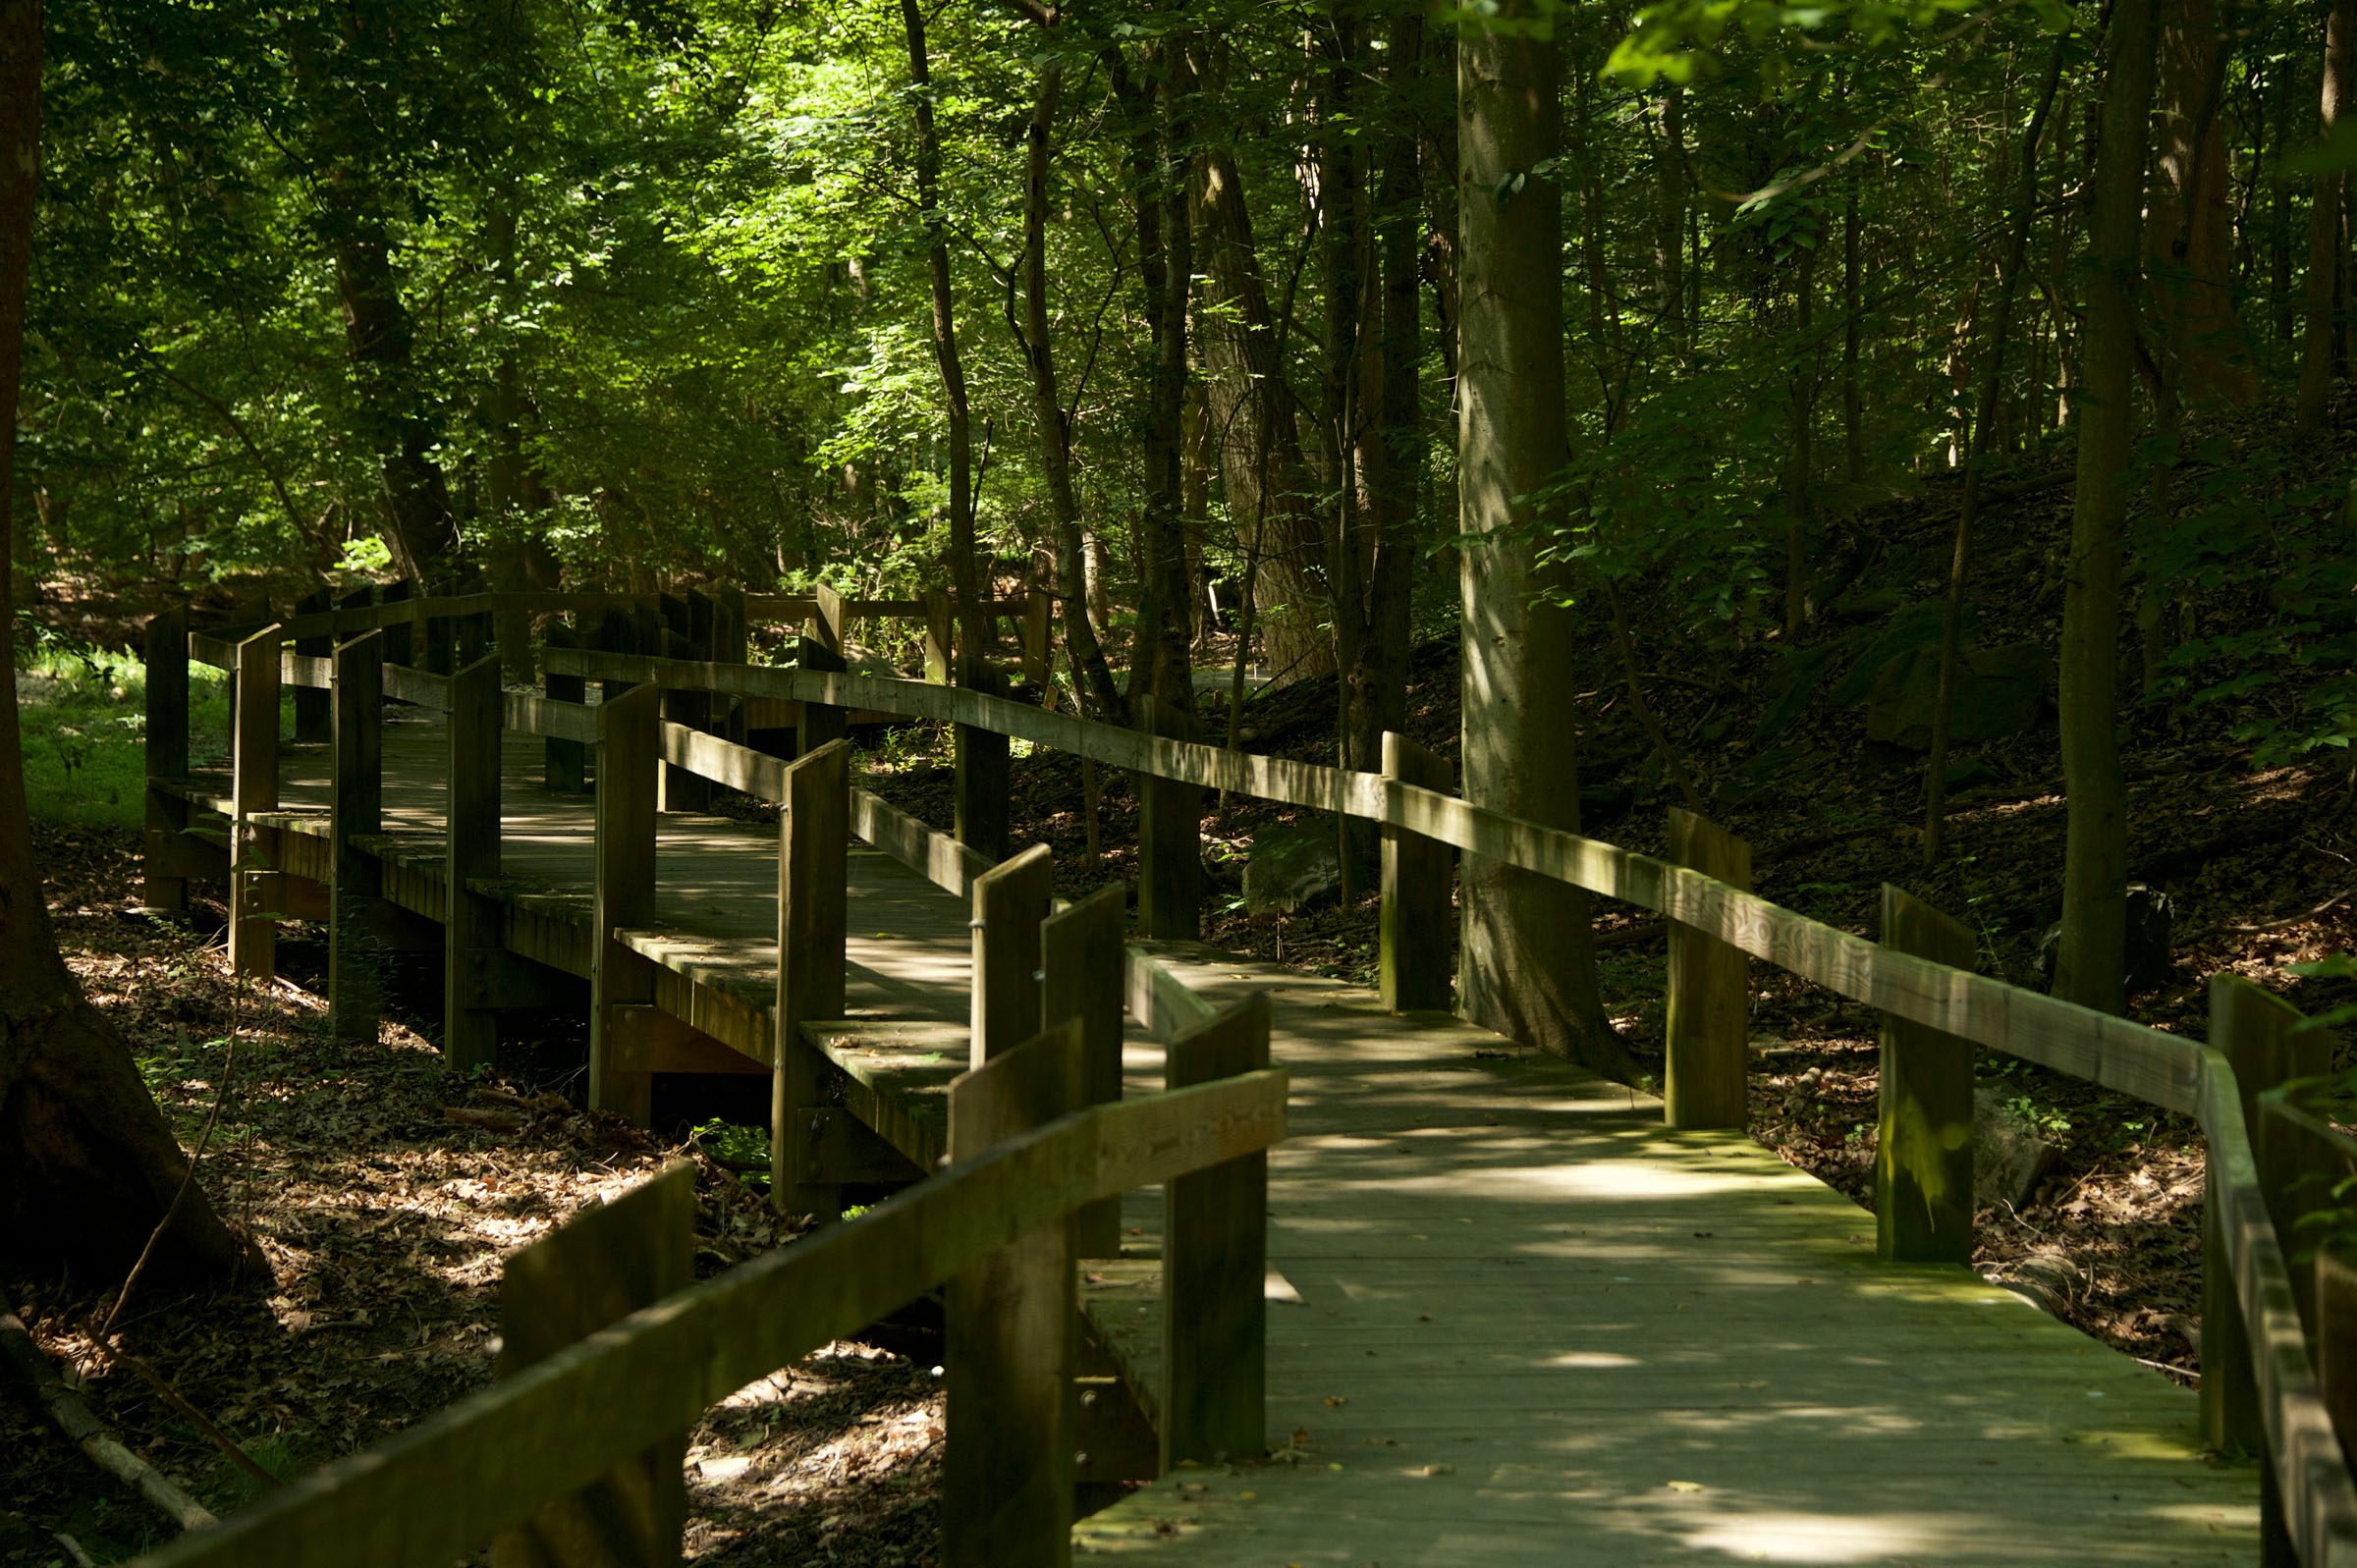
(1533, 1326)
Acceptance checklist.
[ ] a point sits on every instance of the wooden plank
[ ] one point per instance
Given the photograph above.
(417, 687)
(438, 1489)
(1215, 1255)
(683, 788)
(601, 1266)
(708, 757)
(2333, 1330)
(983, 790)
(940, 639)
(623, 891)
(894, 1076)
(1006, 1470)
(2309, 1502)
(1710, 992)
(1080, 980)
(503, 981)
(441, 638)
(254, 885)
(1418, 926)
(645, 1039)
(1039, 614)
(315, 722)
(813, 838)
(1164, 1006)
(166, 704)
(1170, 839)
(932, 854)
(841, 1148)
(1010, 902)
(397, 617)
(355, 951)
(470, 850)
(1923, 1158)
(821, 653)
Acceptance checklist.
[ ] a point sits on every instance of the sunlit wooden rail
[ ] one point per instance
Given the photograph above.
(2277, 1380)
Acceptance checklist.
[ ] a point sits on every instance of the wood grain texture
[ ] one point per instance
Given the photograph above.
(470, 850)
(1007, 1471)
(1170, 837)
(355, 954)
(1010, 902)
(821, 655)
(597, 1269)
(624, 890)
(1416, 957)
(935, 855)
(254, 883)
(1082, 962)
(984, 782)
(565, 759)
(1709, 990)
(1923, 1158)
(813, 836)
(440, 1489)
(1215, 1253)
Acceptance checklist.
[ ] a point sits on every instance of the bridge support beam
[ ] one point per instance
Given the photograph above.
(813, 839)
(1080, 979)
(1419, 923)
(627, 759)
(470, 849)
(1710, 992)
(1010, 902)
(1170, 839)
(1923, 1156)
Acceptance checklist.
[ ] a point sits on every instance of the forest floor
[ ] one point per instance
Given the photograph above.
(385, 1194)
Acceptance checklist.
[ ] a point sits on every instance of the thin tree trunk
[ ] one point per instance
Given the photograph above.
(2323, 230)
(1804, 458)
(973, 625)
(88, 1168)
(1853, 424)
(1670, 221)
(1992, 371)
(1528, 961)
(2188, 219)
(2091, 969)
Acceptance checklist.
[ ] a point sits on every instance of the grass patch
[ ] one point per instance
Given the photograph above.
(85, 723)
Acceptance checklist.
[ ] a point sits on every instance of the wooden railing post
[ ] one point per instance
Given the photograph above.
(729, 647)
(1922, 1161)
(473, 639)
(603, 1264)
(356, 981)
(940, 638)
(1039, 668)
(1007, 1466)
(564, 764)
(1215, 1267)
(626, 758)
(1170, 837)
(400, 644)
(441, 645)
(470, 840)
(814, 838)
(1710, 992)
(315, 722)
(2258, 1034)
(616, 633)
(1080, 980)
(1010, 902)
(822, 650)
(682, 788)
(674, 611)
(1418, 924)
(254, 885)
(984, 778)
(167, 738)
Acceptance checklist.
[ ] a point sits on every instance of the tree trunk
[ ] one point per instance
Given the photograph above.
(2188, 223)
(973, 626)
(1529, 960)
(1853, 436)
(87, 1165)
(2091, 969)
(2323, 230)
(1670, 217)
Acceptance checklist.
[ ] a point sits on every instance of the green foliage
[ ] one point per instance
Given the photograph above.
(81, 713)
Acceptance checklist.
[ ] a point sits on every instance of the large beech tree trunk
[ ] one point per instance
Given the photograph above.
(1528, 963)
(2091, 969)
(87, 1165)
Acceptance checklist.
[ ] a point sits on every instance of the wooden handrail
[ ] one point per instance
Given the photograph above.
(445, 1487)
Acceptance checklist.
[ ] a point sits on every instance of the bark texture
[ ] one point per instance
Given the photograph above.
(1528, 961)
(2189, 222)
(2323, 229)
(87, 1165)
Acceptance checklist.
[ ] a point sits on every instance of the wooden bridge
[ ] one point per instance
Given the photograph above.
(1472, 1305)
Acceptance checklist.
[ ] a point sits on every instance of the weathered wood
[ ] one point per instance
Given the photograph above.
(821, 653)
(645, 1039)
(470, 849)
(932, 854)
(615, 640)
(1006, 1469)
(441, 644)
(565, 762)
(1163, 1004)
(1039, 614)
(729, 647)
(315, 722)
(624, 893)
(683, 788)
(813, 838)
(1215, 1255)
(1170, 839)
(399, 618)
(503, 981)
(1080, 980)
(166, 702)
(2333, 1328)
(1709, 990)
(1010, 902)
(984, 778)
(1418, 924)
(2258, 1035)
(417, 687)
(839, 1148)
(355, 954)
(1923, 1160)
(691, 753)
(940, 643)
(601, 1266)
(252, 880)
(532, 715)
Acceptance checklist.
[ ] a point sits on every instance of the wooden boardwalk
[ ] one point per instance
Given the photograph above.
(1512, 1317)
